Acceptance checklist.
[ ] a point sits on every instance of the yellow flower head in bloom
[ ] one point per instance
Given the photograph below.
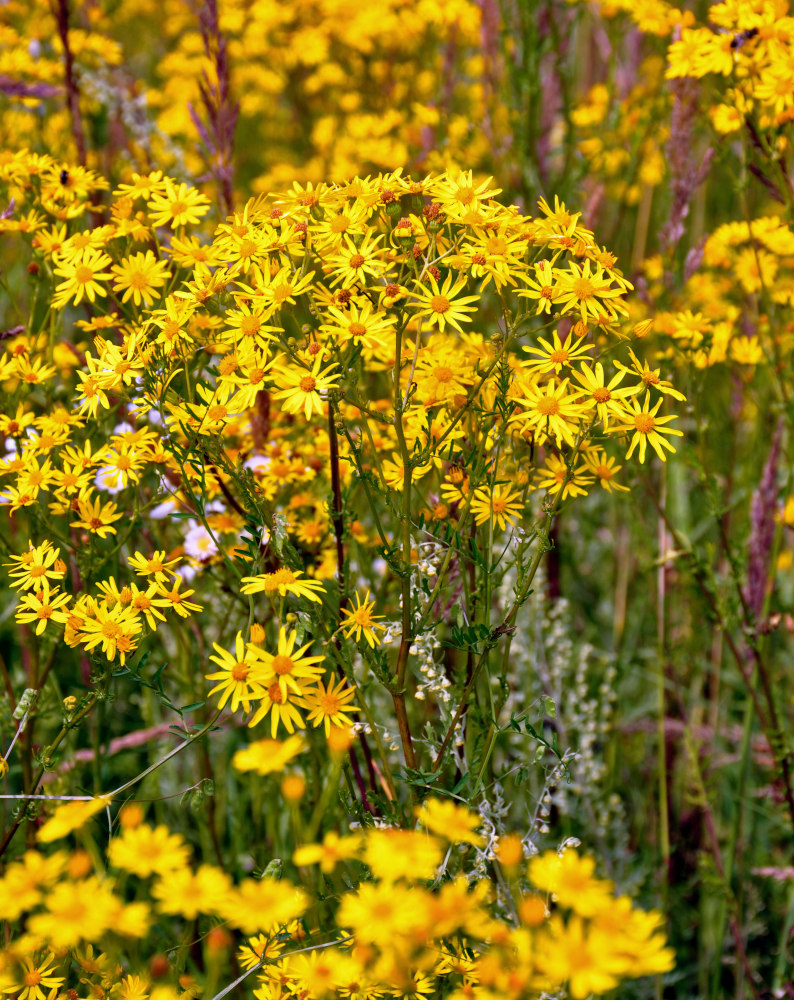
(145, 851)
(68, 818)
(570, 880)
(454, 822)
(268, 756)
(332, 850)
(361, 619)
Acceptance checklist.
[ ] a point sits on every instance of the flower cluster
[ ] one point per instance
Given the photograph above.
(397, 928)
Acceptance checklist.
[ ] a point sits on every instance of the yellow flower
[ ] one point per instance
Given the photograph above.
(189, 893)
(288, 667)
(283, 707)
(240, 676)
(303, 389)
(145, 851)
(361, 619)
(37, 564)
(500, 503)
(283, 581)
(35, 976)
(97, 517)
(42, 606)
(328, 705)
(69, 817)
(177, 207)
(647, 428)
(83, 275)
(570, 879)
(454, 822)
(550, 409)
(332, 850)
(590, 292)
(177, 600)
(140, 276)
(268, 756)
(263, 905)
(444, 306)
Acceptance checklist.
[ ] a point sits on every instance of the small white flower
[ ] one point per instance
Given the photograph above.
(199, 543)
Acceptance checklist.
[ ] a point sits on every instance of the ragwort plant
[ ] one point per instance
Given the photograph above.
(315, 459)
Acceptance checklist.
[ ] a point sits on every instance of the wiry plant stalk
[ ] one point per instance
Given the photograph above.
(217, 134)
(62, 14)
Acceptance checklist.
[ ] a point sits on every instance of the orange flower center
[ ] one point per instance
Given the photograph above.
(356, 261)
(83, 275)
(548, 406)
(439, 303)
(274, 693)
(282, 665)
(249, 325)
(307, 383)
(602, 394)
(644, 423)
(240, 670)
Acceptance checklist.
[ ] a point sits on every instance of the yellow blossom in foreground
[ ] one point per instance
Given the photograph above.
(570, 879)
(268, 756)
(332, 850)
(361, 619)
(454, 822)
(145, 851)
(69, 817)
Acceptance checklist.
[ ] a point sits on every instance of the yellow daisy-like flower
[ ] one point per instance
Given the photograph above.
(305, 390)
(240, 677)
(570, 879)
(550, 408)
(140, 277)
(83, 276)
(69, 817)
(354, 263)
(607, 397)
(603, 467)
(145, 851)
(289, 668)
(268, 756)
(177, 206)
(448, 820)
(328, 705)
(552, 477)
(38, 563)
(361, 619)
(501, 504)
(647, 428)
(282, 705)
(332, 850)
(42, 606)
(445, 306)
(35, 980)
(557, 355)
(283, 581)
(589, 291)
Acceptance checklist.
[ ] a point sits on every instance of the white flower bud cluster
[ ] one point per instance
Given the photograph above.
(548, 661)
(434, 682)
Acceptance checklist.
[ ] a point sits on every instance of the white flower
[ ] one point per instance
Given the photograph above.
(110, 479)
(163, 510)
(199, 543)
